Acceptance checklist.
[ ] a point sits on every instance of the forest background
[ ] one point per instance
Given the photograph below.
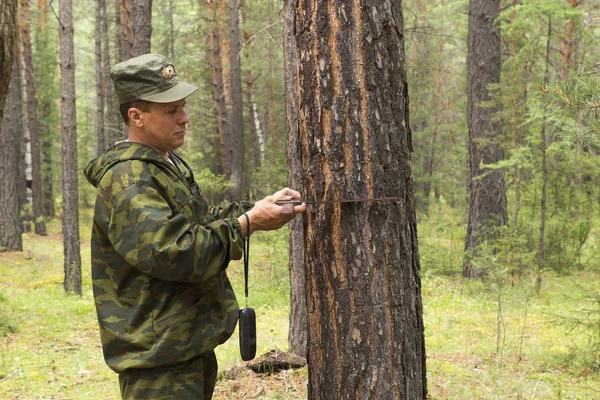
(505, 336)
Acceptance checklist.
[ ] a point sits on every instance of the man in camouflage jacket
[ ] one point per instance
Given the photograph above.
(159, 250)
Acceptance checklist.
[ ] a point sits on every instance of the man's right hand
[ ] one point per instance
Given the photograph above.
(267, 216)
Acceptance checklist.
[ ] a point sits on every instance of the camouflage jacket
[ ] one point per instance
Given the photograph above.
(159, 255)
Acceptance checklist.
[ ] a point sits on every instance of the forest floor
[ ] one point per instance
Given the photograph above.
(483, 341)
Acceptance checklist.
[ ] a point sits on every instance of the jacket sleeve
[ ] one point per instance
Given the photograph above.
(170, 245)
(231, 210)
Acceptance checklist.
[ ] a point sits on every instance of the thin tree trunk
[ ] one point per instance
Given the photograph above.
(113, 120)
(487, 189)
(70, 220)
(271, 117)
(223, 124)
(540, 256)
(100, 131)
(27, 205)
(11, 131)
(32, 124)
(254, 123)
(22, 190)
(236, 149)
(171, 32)
(126, 40)
(225, 46)
(437, 97)
(127, 36)
(514, 129)
(46, 67)
(365, 316)
(142, 27)
(567, 44)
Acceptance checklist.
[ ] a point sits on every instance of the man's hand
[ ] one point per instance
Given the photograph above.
(267, 216)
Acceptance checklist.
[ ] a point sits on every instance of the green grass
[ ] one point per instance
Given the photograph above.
(49, 342)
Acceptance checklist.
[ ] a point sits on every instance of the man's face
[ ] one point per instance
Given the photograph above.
(163, 126)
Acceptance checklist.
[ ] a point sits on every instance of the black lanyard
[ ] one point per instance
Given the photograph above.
(194, 188)
(247, 316)
(246, 256)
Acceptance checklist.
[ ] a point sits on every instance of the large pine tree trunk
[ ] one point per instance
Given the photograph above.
(32, 123)
(365, 316)
(298, 328)
(11, 130)
(236, 150)
(487, 189)
(70, 220)
(143, 27)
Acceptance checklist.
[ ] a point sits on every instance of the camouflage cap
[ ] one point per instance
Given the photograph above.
(150, 77)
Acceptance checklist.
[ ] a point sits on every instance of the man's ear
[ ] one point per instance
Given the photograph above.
(135, 117)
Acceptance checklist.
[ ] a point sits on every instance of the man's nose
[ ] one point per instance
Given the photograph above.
(183, 118)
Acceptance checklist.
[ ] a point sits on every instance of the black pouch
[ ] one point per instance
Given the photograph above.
(247, 333)
(247, 320)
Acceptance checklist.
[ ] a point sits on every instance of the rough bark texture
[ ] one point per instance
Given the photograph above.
(298, 330)
(8, 23)
(487, 193)
(143, 27)
(10, 139)
(236, 150)
(32, 123)
(365, 317)
(70, 220)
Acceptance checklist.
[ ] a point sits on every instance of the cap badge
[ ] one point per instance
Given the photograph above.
(168, 72)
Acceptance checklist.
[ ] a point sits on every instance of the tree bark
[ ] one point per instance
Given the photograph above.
(257, 146)
(437, 99)
(298, 326)
(100, 131)
(543, 145)
(365, 316)
(567, 44)
(11, 130)
(127, 36)
(223, 123)
(45, 63)
(113, 123)
(236, 149)
(70, 220)
(8, 20)
(142, 27)
(487, 189)
(171, 32)
(32, 124)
